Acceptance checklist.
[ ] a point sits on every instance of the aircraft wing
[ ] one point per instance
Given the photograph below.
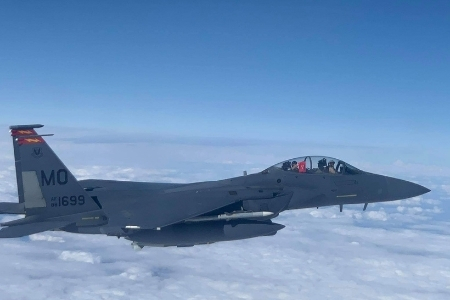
(177, 205)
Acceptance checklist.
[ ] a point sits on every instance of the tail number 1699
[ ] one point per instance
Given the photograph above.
(67, 201)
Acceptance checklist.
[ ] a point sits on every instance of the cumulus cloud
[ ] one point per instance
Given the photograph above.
(46, 237)
(78, 256)
(446, 188)
(377, 215)
(397, 250)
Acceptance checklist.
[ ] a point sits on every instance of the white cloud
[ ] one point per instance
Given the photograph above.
(377, 215)
(398, 251)
(78, 256)
(311, 258)
(131, 273)
(46, 237)
(446, 188)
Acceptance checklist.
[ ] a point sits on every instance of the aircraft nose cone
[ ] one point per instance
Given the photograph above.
(402, 189)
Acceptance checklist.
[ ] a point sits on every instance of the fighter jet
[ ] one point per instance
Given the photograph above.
(168, 214)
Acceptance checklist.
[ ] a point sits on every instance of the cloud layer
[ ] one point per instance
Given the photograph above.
(396, 250)
(321, 254)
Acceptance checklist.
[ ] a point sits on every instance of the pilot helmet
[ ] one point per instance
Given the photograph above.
(331, 162)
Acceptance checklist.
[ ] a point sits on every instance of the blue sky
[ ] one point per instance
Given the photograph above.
(184, 91)
(365, 70)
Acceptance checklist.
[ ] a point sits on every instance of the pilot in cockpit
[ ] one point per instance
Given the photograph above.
(321, 165)
(294, 166)
(331, 168)
(286, 166)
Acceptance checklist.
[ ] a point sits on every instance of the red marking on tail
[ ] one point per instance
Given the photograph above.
(31, 140)
(23, 132)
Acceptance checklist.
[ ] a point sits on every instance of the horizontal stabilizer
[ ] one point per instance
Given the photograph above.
(32, 228)
(12, 208)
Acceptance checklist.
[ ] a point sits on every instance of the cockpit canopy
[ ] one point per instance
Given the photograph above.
(317, 164)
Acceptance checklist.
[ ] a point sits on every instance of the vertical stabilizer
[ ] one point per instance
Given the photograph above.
(45, 185)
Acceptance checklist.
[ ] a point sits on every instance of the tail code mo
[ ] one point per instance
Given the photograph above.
(50, 179)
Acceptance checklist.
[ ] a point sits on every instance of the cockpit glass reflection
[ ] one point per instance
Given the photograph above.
(316, 165)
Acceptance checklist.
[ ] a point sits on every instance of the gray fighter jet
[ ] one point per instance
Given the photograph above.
(167, 214)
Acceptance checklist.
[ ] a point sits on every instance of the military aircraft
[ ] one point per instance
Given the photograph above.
(168, 214)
